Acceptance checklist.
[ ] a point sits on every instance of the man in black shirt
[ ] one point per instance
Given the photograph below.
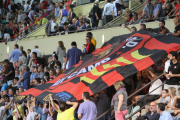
(152, 114)
(161, 30)
(96, 13)
(9, 73)
(177, 28)
(173, 75)
(89, 47)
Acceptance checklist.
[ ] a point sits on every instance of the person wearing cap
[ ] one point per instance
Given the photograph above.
(73, 55)
(96, 13)
(39, 54)
(9, 73)
(15, 54)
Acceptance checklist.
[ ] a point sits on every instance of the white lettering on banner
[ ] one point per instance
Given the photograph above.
(90, 67)
(131, 44)
(72, 75)
(83, 70)
(97, 64)
(131, 41)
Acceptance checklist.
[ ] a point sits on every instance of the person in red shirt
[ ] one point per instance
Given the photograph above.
(68, 4)
(45, 4)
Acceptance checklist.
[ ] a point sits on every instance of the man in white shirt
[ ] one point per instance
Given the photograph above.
(107, 13)
(39, 54)
(24, 5)
(20, 17)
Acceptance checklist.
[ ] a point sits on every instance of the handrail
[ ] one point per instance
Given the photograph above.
(132, 95)
(142, 98)
(95, 28)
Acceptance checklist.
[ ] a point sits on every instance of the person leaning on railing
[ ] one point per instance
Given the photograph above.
(119, 101)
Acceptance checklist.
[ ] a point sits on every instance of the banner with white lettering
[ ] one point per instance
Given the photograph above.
(117, 59)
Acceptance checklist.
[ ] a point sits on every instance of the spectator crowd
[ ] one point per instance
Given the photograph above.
(30, 68)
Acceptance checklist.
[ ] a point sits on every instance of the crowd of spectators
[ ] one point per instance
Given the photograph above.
(17, 19)
(29, 69)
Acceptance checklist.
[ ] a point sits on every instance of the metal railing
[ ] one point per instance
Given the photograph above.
(132, 96)
(98, 28)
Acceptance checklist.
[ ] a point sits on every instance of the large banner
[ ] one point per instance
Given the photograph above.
(117, 59)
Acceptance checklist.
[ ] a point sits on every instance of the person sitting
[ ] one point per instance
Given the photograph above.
(173, 101)
(164, 115)
(152, 114)
(165, 98)
(87, 24)
(81, 26)
(155, 94)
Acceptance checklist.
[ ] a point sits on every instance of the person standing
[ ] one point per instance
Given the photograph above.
(15, 54)
(61, 51)
(102, 101)
(63, 112)
(87, 110)
(28, 56)
(173, 74)
(96, 13)
(71, 15)
(56, 10)
(89, 47)
(2, 7)
(26, 77)
(39, 54)
(9, 73)
(63, 14)
(50, 26)
(177, 28)
(107, 13)
(21, 17)
(93, 41)
(119, 101)
(73, 55)
(148, 11)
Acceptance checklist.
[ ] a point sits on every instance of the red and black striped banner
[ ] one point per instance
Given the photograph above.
(117, 59)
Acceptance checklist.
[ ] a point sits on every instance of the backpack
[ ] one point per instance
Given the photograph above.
(91, 13)
(64, 12)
